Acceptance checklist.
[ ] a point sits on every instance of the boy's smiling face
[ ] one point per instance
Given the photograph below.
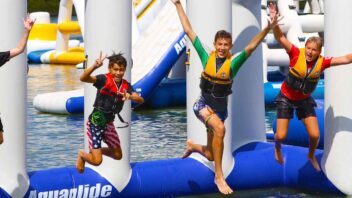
(222, 47)
(117, 72)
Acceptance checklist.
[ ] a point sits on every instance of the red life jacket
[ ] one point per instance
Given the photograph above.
(109, 97)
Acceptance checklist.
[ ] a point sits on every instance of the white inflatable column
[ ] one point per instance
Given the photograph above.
(80, 8)
(337, 159)
(206, 19)
(264, 22)
(247, 113)
(65, 14)
(13, 86)
(108, 29)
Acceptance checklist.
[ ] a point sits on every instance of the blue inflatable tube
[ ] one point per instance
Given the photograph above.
(170, 92)
(297, 133)
(255, 167)
(75, 105)
(35, 56)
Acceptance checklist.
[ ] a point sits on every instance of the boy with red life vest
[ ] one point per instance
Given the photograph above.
(220, 67)
(7, 55)
(112, 92)
(306, 66)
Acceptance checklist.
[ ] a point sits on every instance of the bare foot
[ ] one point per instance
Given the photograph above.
(80, 162)
(222, 186)
(278, 154)
(314, 162)
(189, 150)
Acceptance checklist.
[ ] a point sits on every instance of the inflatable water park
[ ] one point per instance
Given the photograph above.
(248, 159)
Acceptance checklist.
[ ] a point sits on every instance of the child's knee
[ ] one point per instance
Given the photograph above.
(314, 137)
(219, 130)
(280, 136)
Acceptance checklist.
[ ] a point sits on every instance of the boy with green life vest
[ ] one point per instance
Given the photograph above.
(306, 66)
(220, 67)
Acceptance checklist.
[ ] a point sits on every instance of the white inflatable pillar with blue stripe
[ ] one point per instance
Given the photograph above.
(108, 29)
(337, 159)
(206, 19)
(13, 85)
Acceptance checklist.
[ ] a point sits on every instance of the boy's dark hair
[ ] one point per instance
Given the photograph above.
(223, 34)
(117, 59)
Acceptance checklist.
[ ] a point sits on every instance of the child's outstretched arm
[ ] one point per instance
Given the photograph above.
(28, 24)
(342, 60)
(256, 40)
(253, 44)
(279, 36)
(184, 20)
(86, 76)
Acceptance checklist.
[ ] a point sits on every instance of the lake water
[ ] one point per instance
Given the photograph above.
(53, 140)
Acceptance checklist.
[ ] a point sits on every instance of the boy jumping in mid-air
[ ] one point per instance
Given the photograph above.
(306, 66)
(220, 68)
(112, 92)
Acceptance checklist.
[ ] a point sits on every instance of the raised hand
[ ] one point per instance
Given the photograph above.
(272, 8)
(126, 96)
(99, 61)
(274, 16)
(28, 23)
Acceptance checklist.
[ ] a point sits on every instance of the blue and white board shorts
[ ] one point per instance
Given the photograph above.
(200, 104)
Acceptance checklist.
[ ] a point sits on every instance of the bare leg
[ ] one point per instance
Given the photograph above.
(312, 127)
(80, 162)
(218, 128)
(280, 136)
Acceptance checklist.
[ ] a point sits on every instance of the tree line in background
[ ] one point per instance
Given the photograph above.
(51, 6)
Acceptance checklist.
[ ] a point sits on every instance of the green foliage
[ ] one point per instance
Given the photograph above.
(51, 6)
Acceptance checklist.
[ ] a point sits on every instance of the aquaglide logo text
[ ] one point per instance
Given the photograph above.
(82, 191)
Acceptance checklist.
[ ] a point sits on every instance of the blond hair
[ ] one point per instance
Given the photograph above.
(316, 39)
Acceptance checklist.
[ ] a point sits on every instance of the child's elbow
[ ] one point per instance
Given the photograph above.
(249, 50)
(83, 79)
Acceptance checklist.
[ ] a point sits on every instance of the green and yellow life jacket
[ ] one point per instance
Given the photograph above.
(218, 83)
